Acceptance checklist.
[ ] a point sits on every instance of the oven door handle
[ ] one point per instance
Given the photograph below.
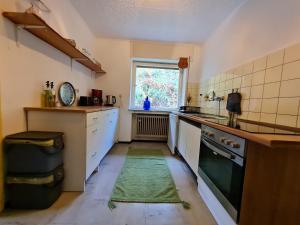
(217, 151)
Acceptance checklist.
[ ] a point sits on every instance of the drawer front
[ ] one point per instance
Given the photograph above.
(93, 118)
(92, 163)
(112, 117)
(93, 138)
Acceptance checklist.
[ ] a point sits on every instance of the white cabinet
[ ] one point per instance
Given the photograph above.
(88, 137)
(189, 138)
(172, 134)
(100, 136)
(182, 138)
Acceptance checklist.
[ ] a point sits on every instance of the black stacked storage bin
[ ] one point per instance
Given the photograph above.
(34, 169)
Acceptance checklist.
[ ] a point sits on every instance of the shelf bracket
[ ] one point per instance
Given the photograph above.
(17, 35)
(23, 26)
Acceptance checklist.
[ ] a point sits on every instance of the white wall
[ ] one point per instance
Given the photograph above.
(164, 50)
(24, 69)
(116, 56)
(257, 28)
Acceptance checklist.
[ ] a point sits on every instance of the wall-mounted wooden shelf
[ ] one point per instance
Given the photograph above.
(39, 28)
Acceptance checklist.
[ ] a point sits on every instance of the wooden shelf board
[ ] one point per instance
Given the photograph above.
(50, 36)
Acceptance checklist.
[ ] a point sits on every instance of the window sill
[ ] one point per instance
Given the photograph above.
(139, 110)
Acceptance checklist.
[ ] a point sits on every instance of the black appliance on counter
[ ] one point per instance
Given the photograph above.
(86, 101)
(34, 169)
(94, 100)
(222, 166)
(233, 105)
(97, 97)
(189, 109)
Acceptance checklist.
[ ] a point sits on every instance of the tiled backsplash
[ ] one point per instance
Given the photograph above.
(193, 91)
(270, 88)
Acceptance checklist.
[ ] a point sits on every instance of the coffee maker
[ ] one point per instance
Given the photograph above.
(97, 97)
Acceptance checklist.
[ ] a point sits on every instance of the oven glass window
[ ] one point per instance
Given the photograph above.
(224, 173)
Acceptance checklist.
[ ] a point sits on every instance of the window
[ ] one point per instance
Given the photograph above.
(161, 82)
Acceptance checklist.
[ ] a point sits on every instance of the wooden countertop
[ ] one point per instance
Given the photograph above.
(71, 109)
(269, 140)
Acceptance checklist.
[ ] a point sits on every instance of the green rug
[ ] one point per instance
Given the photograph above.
(145, 178)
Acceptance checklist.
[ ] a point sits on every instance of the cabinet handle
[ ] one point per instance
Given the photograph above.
(95, 118)
(94, 131)
(94, 154)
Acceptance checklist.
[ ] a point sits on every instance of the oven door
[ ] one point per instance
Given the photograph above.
(223, 172)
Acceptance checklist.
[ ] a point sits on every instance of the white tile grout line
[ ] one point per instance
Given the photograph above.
(223, 79)
(263, 91)
(279, 88)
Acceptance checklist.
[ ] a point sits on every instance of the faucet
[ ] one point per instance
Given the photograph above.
(219, 99)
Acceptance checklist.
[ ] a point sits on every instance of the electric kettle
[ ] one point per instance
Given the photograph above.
(110, 100)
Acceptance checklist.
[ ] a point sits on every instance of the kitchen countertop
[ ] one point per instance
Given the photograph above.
(269, 140)
(72, 109)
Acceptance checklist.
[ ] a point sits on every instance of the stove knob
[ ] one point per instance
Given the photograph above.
(222, 139)
(228, 142)
(235, 145)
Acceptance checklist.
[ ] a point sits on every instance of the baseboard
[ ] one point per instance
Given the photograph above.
(156, 141)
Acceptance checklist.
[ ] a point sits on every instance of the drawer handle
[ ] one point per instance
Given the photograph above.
(94, 131)
(95, 118)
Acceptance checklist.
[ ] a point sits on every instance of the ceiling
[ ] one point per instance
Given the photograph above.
(157, 20)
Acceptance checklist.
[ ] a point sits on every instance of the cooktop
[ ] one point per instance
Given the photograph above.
(257, 127)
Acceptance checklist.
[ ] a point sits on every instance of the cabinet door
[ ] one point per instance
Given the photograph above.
(189, 144)
(182, 138)
(172, 134)
(193, 147)
(109, 125)
(115, 123)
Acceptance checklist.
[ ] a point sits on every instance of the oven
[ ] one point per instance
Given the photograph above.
(222, 166)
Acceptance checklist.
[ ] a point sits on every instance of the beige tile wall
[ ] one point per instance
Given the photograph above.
(270, 88)
(193, 91)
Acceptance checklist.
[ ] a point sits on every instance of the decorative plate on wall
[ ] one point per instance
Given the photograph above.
(67, 94)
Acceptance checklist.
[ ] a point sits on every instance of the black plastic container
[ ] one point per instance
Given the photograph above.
(33, 152)
(36, 191)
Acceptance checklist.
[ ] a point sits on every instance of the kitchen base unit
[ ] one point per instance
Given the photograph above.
(215, 207)
(247, 176)
(189, 136)
(89, 133)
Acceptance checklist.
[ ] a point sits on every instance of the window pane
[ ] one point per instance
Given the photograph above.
(159, 84)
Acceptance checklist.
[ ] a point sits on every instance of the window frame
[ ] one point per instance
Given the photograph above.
(155, 63)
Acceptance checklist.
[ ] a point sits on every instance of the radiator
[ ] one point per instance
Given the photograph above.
(151, 126)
